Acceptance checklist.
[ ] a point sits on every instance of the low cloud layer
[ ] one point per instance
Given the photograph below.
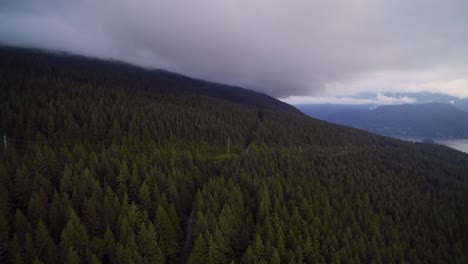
(324, 48)
(379, 99)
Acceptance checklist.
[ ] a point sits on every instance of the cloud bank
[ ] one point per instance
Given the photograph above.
(282, 48)
(380, 99)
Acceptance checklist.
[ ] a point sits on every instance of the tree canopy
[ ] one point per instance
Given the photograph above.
(109, 163)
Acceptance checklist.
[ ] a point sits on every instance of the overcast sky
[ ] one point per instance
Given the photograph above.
(294, 50)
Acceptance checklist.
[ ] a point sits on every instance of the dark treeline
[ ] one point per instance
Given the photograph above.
(109, 163)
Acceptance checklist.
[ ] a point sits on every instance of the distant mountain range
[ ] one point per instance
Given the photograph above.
(435, 120)
(425, 97)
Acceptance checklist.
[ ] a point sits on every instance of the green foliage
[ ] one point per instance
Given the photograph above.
(148, 244)
(110, 163)
(167, 233)
(72, 257)
(199, 251)
(74, 238)
(45, 245)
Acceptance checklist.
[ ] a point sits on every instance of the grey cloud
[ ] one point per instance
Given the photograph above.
(282, 48)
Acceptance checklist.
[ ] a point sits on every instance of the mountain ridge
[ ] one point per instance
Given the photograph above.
(223, 91)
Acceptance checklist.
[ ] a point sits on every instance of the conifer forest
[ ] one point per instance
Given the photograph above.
(103, 162)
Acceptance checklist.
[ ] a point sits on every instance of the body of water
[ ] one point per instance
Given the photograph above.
(458, 144)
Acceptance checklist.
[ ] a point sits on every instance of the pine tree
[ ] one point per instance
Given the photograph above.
(214, 256)
(56, 216)
(148, 244)
(263, 207)
(91, 218)
(168, 236)
(37, 206)
(95, 260)
(123, 229)
(258, 248)
(122, 179)
(134, 182)
(175, 220)
(72, 256)
(144, 196)
(308, 250)
(45, 246)
(109, 245)
(276, 257)
(249, 256)
(199, 251)
(74, 238)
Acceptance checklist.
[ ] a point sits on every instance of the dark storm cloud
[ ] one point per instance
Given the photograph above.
(282, 48)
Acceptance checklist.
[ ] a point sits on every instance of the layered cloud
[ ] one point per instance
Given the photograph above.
(323, 48)
(379, 99)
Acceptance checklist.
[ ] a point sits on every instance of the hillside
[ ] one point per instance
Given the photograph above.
(110, 163)
(435, 120)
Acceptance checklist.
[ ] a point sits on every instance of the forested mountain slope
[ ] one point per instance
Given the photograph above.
(109, 163)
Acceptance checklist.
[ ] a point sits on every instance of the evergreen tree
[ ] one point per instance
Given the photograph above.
(74, 235)
(167, 234)
(148, 244)
(72, 257)
(199, 251)
(45, 246)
